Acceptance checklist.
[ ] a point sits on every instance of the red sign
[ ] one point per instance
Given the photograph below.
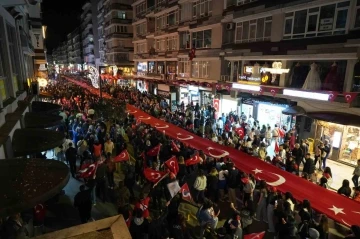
(333, 95)
(350, 96)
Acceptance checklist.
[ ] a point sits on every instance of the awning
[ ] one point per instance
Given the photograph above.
(294, 110)
(44, 107)
(336, 117)
(32, 141)
(38, 120)
(27, 182)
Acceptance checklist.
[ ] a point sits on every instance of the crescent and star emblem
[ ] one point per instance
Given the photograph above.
(144, 118)
(159, 126)
(184, 138)
(281, 180)
(223, 154)
(155, 175)
(122, 155)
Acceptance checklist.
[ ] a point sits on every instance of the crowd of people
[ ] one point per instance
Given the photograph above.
(153, 212)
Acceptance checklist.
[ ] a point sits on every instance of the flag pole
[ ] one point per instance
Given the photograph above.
(160, 180)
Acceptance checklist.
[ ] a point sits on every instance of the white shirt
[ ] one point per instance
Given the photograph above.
(220, 124)
(222, 174)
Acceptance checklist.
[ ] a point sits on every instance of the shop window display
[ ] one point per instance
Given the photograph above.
(255, 73)
(328, 75)
(344, 141)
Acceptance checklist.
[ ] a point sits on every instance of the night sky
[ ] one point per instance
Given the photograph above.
(60, 17)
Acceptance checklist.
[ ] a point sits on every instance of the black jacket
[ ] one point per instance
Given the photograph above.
(309, 166)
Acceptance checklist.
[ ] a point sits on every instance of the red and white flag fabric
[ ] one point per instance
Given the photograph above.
(152, 175)
(123, 156)
(277, 147)
(172, 165)
(185, 192)
(195, 159)
(240, 132)
(174, 147)
(87, 170)
(259, 235)
(154, 151)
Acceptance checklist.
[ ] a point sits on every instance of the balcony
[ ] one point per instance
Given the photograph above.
(117, 21)
(118, 35)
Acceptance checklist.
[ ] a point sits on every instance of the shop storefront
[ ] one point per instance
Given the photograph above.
(184, 93)
(164, 91)
(171, 70)
(344, 141)
(194, 95)
(142, 86)
(206, 96)
(141, 68)
(260, 73)
(271, 114)
(228, 104)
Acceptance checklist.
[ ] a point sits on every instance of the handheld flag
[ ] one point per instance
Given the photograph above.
(185, 192)
(154, 151)
(195, 159)
(259, 235)
(172, 165)
(174, 147)
(153, 175)
(123, 156)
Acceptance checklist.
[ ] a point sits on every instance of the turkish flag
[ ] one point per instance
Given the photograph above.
(138, 121)
(87, 170)
(274, 91)
(333, 95)
(123, 156)
(259, 235)
(172, 165)
(277, 147)
(185, 192)
(153, 175)
(350, 96)
(174, 147)
(240, 132)
(195, 159)
(154, 151)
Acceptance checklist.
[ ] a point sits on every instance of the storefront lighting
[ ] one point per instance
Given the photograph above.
(307, 95)
(94, 76)
(246, 87)
(115, 70)
(42, 82)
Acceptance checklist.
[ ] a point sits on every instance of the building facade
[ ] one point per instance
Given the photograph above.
(20, 60)
(303, 53)
(87, 34)
(75, 50)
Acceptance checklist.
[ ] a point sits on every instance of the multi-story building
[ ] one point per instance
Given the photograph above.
(165, 31)
(74, 50)
(87, 34)
(20, 47)
(303, 53)
(99, 35)
(117, 19)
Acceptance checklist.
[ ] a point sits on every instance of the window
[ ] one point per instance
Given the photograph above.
(121, 14)
(184, 67)
(140, 8)
(13, 56)
(140, 48)
(201, 39)
(318, 21)
(242, 2)
(121, 29)
(160, 2)
(100, 31)
(160, 45)
(253, 30)
(357, 17)
(172, 43)
(168, 19)
(3, 91)
(184, 40)
(186, 11)
(202, 8)
(140, 29)
(200, 69)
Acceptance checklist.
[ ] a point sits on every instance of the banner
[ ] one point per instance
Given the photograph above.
(174, 188)
(337, 207)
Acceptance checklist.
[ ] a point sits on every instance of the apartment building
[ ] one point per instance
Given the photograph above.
(74, 50)
(303, 53)
(87, 34)
(20, 47)
(116, 25)
(165, 31)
